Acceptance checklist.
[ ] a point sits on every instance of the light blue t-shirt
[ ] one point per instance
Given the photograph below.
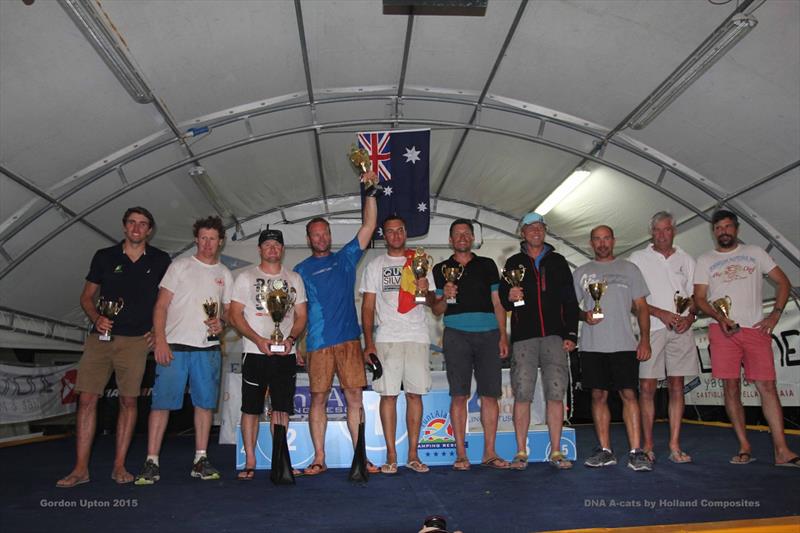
(330, 283)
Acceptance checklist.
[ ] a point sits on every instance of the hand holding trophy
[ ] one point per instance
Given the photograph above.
(109, 309)
(451, 275)
(280, 299)
(420, 264)
(359, 158)
(723, 307)
(514, 277)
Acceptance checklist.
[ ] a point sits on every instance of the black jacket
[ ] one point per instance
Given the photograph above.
(551, 307)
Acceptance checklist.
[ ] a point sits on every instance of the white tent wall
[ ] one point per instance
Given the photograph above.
(515, 99)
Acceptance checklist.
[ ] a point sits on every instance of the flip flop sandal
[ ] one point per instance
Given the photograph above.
(461, 464)
(389, 468)
(558, 460)
(742, 458)
(497, 463)
(248, 474)
(417, 466)
(794, 462)
(71, 481)
(315, 469)
(520, 462)
(679, 457)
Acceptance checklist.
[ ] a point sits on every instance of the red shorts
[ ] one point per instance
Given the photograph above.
(748, 346)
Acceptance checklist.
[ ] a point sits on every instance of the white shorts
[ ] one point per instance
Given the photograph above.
(673, 355)
(403, 362)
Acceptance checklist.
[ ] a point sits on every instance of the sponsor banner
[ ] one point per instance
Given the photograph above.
(786, 357)
(336, 408)
(33, 393)
(436, 440)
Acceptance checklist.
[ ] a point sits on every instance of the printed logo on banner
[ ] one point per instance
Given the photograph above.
(68, 394)
(436, 438)
(302, 401)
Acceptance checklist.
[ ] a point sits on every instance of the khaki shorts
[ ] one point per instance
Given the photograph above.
(345, 359)
(403, 362)
(125, 356)
(673, 355)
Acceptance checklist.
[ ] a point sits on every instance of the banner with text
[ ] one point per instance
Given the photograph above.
(32, 393)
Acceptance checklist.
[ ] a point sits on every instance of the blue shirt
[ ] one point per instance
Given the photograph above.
(330, 284)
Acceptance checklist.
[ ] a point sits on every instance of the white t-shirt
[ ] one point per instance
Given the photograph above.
(245, 291)
(665, 277)
(382, 277)
(736, 274)
(191, 283)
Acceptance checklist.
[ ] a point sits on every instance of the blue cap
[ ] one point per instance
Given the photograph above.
(532, 218)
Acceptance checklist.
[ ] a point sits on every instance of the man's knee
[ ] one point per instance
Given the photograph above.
(88, 400)
(647, 387)
(128, 402)
(627, 395)
(599, 395)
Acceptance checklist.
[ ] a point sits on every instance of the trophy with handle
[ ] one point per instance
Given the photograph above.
(420, 264)
(723, 306)
(359, 158)
(280, 299)
(110, 309)
(597, 289)
(211, 308)
(452, 274)
(514, 277)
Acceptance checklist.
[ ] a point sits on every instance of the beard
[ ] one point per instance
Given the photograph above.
(726, 241)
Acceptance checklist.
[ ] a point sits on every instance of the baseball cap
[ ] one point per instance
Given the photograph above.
(270, 235)
(532, 218)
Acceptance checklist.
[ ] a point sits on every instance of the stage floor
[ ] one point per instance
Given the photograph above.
(481, 500)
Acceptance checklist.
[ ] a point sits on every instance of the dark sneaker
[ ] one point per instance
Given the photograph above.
(601, 457)
(204, 470)
(150, 474)
(639, 462)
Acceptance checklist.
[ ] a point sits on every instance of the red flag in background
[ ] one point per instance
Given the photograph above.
(405, 298)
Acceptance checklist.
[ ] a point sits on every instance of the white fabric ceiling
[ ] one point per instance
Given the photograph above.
(516, 99)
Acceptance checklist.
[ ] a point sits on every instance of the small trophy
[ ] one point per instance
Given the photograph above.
(682, 303)
(723, 307)
(420, 264)
(452, 274)
(109, 309)
(359, 157)
(514, 278)
(211, 308)
(280, 299)
(596, 290)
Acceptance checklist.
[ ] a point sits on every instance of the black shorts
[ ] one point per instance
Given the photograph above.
(609, 371)
(466, 352)
(260, 371)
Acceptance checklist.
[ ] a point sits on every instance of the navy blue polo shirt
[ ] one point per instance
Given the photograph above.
(136, 283)
(474, 310)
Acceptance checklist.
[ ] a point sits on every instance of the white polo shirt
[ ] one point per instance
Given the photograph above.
(664, 277)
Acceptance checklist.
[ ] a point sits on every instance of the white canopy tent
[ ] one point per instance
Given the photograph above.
(518, 95)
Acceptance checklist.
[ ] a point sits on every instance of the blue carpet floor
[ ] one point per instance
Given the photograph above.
(479, 501)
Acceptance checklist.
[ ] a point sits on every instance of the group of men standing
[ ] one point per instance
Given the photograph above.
(545, 308)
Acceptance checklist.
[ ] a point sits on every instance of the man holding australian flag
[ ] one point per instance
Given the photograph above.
(401, 161)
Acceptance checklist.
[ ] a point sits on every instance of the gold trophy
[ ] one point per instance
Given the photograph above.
(280, 299)
(109, 309)
(211, 308)
(514, 278)
(359, 157)
(596, 290)
(420, 264)
(682, 303)
(723, 307)
(452, 274)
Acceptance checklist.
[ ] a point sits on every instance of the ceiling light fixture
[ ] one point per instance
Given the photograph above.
(90, 22)
(707, 54)
(577, 177)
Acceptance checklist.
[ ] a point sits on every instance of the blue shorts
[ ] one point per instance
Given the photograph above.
(200, 368)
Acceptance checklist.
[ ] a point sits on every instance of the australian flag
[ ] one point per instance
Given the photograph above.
(401, 161)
